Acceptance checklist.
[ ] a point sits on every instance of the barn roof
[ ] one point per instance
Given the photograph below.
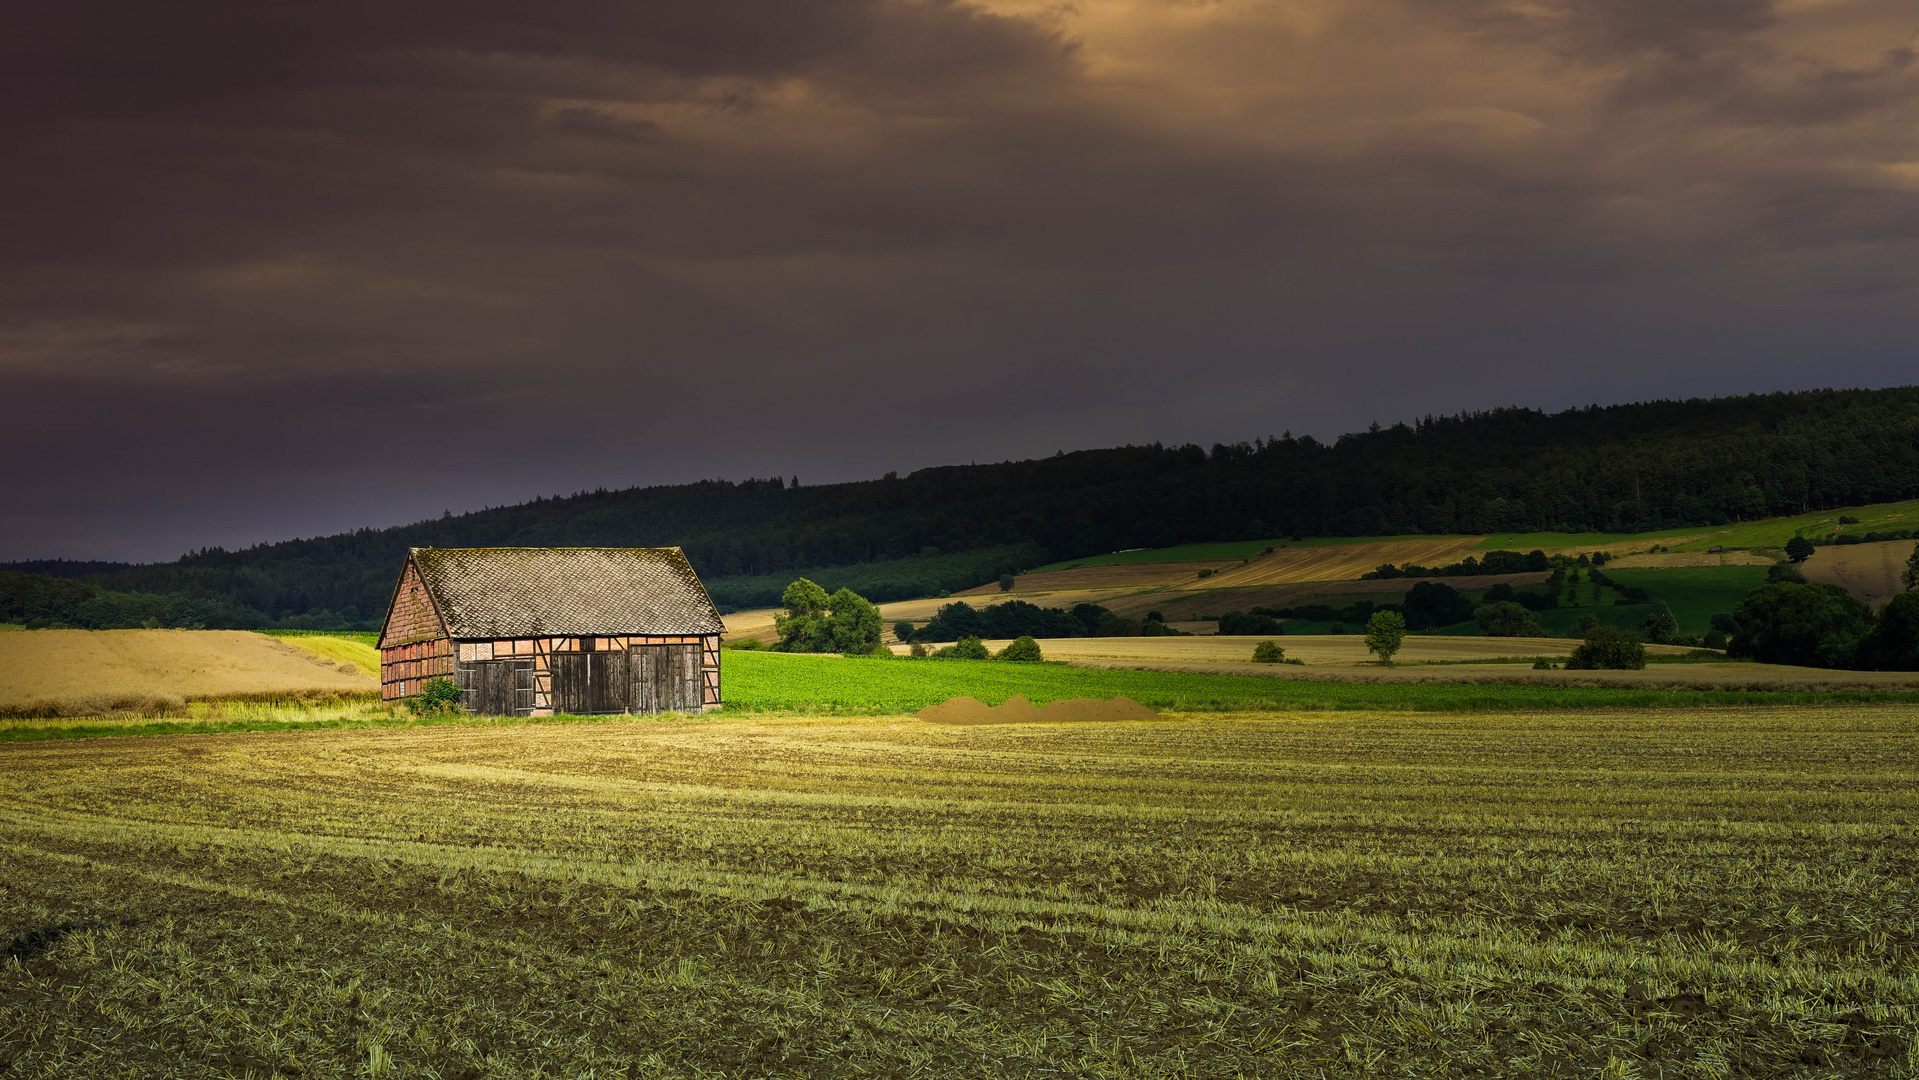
(528, 592)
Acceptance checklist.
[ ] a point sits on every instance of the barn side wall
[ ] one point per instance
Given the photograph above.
(414, 644)
(539, 650)
(404, 667)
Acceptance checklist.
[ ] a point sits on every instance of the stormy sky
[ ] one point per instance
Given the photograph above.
(285, 269)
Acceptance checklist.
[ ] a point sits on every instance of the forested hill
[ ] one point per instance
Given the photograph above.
(1617, 468)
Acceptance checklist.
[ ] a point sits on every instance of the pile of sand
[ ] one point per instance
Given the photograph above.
(1018, 710)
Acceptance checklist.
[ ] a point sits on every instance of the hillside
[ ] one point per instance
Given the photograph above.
(1680, 467)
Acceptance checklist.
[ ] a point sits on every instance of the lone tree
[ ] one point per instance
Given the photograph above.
(1006, 582)
(1799, 549)
(1268, 652)
(1385, 633)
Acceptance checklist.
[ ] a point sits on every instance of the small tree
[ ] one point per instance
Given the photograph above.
(903, 630)
(1022, 650)
(853, 624)
(1385, 632)
(1799, 549)
(801, 629)
(1006, 582)
(1268, 652)
(969, 648)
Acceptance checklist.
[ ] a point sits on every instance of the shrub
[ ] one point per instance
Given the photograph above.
(969, 648)
(919, 651)
(1336, 628)
(745, 644)
(1006, 582)
(946, 652)
(1799, 549)
(1543, 664)
(436, 696)
(1714, 639)
(903, 630)
(1022, 650)
(1609, 648)
(1268, 652)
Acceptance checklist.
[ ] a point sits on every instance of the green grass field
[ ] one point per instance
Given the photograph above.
(777, 682)
(1695, 592)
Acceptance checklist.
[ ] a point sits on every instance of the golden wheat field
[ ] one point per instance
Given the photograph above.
(1708, 893)
(81, 672)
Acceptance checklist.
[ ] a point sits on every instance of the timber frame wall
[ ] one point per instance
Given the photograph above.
(404, 667)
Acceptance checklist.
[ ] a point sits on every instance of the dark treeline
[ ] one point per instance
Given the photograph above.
(1016, 618)
(1621, 468)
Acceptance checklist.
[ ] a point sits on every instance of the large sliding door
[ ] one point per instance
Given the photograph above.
(591, 682)
(666, 678)
(495, 687)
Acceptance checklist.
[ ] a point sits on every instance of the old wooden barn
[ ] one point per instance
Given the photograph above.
(539, 631)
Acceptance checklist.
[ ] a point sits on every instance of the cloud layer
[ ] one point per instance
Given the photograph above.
(274, 270)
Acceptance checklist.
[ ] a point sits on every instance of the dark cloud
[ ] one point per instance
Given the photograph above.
(257, 255)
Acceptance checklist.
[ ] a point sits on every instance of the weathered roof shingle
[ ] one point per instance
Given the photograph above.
(531, 592)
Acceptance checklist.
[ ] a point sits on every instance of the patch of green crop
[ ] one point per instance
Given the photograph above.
(1695, 593)
(782, 682)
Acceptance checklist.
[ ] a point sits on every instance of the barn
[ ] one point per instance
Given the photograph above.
(539, 631)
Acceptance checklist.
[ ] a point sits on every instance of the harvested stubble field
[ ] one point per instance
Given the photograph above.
(1868, 571)
(1691, 894)
(52, 673)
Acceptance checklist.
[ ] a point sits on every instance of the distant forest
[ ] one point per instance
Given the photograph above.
(1620, 468)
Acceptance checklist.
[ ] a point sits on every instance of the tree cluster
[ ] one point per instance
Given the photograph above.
(815, 622)
(1814, 624)
(1018, 618)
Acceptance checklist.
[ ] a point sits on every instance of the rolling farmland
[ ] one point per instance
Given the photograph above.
(1644, 893)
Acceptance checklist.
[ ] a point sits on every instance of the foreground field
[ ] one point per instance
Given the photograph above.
(80, 672)
(1652, 895)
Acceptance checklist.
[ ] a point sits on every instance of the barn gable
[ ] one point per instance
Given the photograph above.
(411, 616)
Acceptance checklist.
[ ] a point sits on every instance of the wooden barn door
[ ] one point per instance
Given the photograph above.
(496, 687)
(666, 678)
(590, 682)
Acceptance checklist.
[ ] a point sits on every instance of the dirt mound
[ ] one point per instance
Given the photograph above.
(1018, 710)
